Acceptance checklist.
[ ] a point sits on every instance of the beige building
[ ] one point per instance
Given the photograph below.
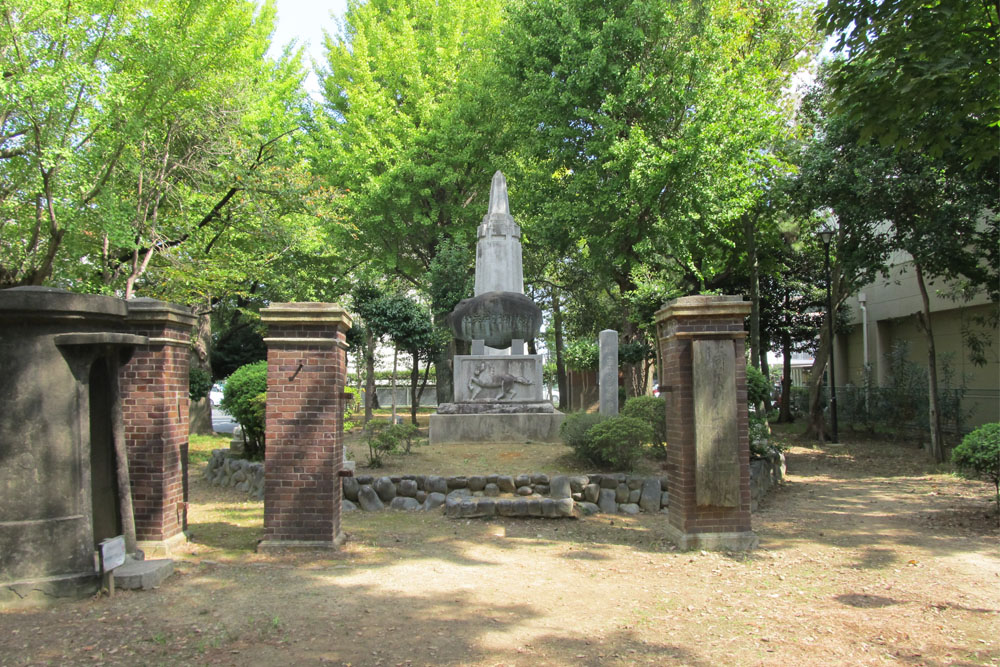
(884, 312)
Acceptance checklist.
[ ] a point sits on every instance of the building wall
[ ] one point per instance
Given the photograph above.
(891, 315)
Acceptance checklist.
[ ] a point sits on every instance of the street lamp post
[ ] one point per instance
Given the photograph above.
(826, 234)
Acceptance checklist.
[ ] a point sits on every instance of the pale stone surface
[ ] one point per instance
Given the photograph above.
(498, 378)
(498, 250)
(516, 427)
(143, 574)
(717, 476)
(651, 495)
(607, 374)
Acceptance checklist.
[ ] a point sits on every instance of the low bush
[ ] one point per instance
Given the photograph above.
(651, 410)
(384, 439)
(573, 431)
(978, 457)
(758, 389)
(244, 399)
(617, 442)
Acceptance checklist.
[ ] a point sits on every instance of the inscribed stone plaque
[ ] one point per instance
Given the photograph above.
(716, 437)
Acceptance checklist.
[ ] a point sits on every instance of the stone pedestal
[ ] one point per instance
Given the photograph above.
(703, 378)
(607, 376)
(155, 411)
(306, 371)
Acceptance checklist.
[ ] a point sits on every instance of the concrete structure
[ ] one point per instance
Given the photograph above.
(63, 488)
(701, 342)
(498, 249)
(884, 313)
(607, 375)
(304, 456)
(498, 392)
(155, 411)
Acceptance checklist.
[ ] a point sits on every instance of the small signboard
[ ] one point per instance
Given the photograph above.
(112, 553)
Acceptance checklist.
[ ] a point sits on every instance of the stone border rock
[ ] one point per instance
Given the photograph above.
(534, 495)
(225, 469)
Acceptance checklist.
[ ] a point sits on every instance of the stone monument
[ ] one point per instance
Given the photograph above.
(498, 388)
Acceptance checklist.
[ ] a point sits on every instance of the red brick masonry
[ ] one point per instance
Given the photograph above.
(306, 371)
(679, 324)
(154, 386)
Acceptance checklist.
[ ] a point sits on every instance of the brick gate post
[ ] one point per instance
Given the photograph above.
(703, 377)
(154, 388)
(304, 449)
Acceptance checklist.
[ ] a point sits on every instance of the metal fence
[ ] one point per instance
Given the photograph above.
(903, 411)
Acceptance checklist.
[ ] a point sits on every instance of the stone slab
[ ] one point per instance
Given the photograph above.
(495, 407)
(487, 377)
(607, 376)
(734, 541)
(491, 428)
(143, 574)
(270, 546)
(717, 471)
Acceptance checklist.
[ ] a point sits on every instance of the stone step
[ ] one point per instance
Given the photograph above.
(143, 574)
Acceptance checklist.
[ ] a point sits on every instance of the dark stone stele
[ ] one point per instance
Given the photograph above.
(496, 318)
(494, 408)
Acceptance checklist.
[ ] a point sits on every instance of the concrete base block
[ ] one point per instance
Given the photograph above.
(737, 541)
(162, 548)
(516, 427)
(281, 545)
(144, 574)
(47, 590)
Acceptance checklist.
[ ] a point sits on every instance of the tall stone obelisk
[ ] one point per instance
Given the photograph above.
(498, 249)
(498, 394)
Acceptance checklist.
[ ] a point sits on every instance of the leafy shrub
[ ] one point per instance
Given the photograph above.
(199, 383)
(573, 431)
(384, 439)
(651, 410)
(617, 442)
(582, 355)
(758, 389)
(978, 456)
(244, 399)
(352, 404)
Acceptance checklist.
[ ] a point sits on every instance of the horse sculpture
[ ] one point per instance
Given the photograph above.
(505, 382)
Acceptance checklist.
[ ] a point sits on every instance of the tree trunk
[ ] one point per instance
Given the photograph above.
(443, 360)
(816, 426)
(755, 352)
(934, 416)
(369, 373)
(392, 382)
(200, 411)
(557, 325)
(785, 409)
(414, 380)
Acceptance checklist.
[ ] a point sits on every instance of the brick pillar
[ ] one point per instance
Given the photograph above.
(306, 371)
(154, 386)
(703, 378)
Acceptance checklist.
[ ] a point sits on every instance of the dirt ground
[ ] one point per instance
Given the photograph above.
(868, 556)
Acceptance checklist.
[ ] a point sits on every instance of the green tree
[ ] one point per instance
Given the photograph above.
(641, 128)
(159, 139)
(402, 128)
(920, 74)
(886, 200)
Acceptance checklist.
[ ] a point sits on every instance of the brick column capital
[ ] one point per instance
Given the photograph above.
(166, 323)
(311, 315)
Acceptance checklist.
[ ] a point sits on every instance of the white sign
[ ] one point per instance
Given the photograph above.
(112, 553)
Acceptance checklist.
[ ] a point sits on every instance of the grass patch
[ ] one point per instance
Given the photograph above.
(200, 447)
